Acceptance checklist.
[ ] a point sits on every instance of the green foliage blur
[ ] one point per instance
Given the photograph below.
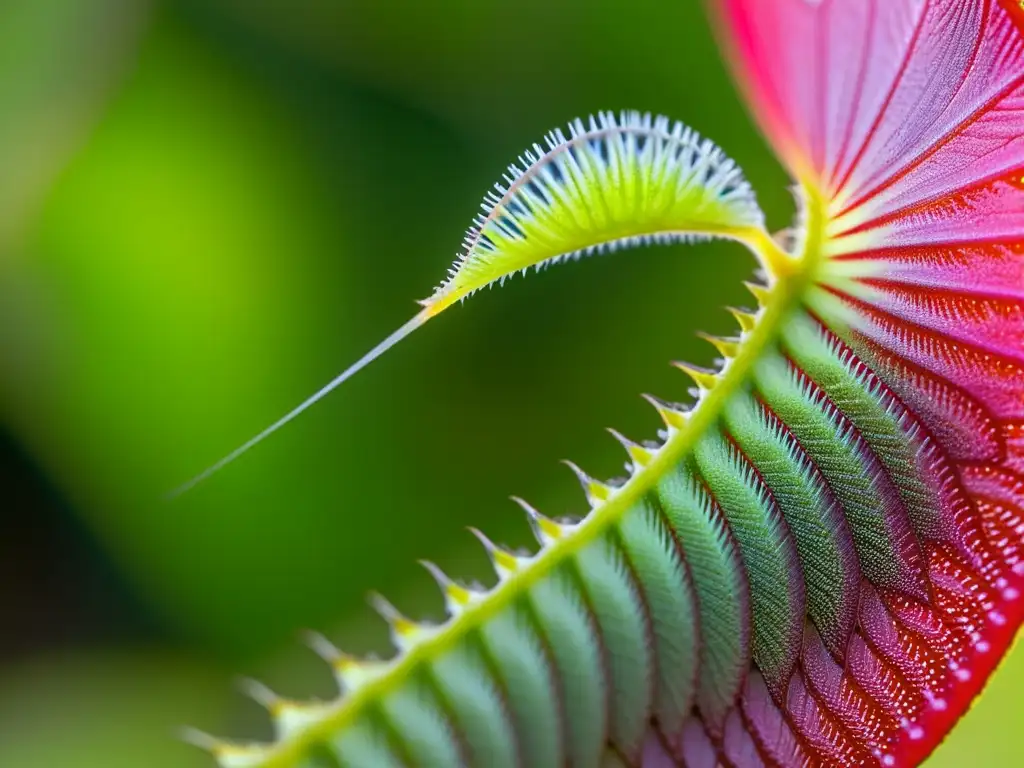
(207, 209)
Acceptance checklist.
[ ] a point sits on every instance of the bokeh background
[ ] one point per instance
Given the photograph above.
(207, 208)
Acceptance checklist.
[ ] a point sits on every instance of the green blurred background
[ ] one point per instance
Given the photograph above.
(207, 208)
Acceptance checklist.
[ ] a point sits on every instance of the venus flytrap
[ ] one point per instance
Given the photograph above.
(821, 559)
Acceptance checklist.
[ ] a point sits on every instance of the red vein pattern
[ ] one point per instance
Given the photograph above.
(906, 117)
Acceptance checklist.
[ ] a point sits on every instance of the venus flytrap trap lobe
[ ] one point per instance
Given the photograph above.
(821, 560)
(661, 182)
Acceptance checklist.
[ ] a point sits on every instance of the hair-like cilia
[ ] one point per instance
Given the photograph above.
(819, 561)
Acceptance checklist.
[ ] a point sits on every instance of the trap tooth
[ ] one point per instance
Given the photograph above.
(321, 646)
(505, 563)
(289, 716)
(673, 415)
(746, 318)
(353, 673)
(349, 672)
(295, 717)
(728, 347)
(201, 740)
(404, 631)
(226, 754)
(261, 694)
(544, 528)
(596, 491)
(704, 378)
(640, 455)
(456, 596)
(760, 292)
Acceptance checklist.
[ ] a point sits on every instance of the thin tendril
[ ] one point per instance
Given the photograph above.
(407, 328)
